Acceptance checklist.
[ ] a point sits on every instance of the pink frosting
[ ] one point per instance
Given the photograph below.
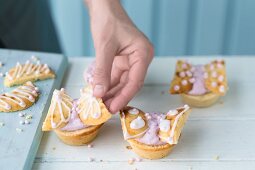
(198, 87)
(75, 122)
(88, 75)
(151, 136)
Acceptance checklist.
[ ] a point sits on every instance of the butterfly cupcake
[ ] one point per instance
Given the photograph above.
(200, 85)
(76, 122)
(153, 135)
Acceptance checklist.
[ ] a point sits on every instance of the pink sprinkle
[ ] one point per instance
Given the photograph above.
(219, 65)
(184, 65)
(214, 74)
(139, 159)
(192, 80)
(214, 84)
(176, 87)
(184, 82)
(90, 146)
(221, 78)
(189, 74)
(182, 74)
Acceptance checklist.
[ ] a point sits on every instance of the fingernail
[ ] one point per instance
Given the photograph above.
(99, 90)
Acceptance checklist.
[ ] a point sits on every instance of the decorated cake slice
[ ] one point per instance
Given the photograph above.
(20, 98)
(29, 71)
(75, 121)
(92, 110)
(171, 126)
(153, 135)
(59, 112)
(134, 123)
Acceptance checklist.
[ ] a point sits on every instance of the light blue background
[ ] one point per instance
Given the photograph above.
(176, 27)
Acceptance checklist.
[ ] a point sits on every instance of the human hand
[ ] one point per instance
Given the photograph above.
(123, 54)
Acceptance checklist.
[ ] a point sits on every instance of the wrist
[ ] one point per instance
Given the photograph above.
(100, 6)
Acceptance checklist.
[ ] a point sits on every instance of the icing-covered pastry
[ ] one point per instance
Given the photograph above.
(199, 79)
(29, 71)
(59, 112)
(134, 123)
(66, 116)
(171, 126)
(153, 135)
(216, 81)
(20, 98)
(92, 110)
(200, 85)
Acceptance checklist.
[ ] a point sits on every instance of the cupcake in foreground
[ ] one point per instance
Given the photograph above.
(153, 135)
(200, 85)
(76, 122)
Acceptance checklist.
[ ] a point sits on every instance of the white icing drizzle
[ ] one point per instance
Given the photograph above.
(92, 107)
(27, 91)
(60, 100)
(133, 111)
(28, 69)
(125, 132)
(172, 112)
(137, 123)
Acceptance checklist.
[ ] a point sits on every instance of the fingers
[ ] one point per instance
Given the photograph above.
(135, 81)
(102, 72)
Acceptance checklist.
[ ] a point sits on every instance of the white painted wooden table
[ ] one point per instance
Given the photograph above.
(225, 130)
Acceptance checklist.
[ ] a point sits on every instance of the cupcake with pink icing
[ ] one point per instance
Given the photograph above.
(75, 121)
(153, 135)
(200, 85)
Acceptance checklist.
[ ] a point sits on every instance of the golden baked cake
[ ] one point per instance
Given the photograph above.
(29, 71)
(200, 85)
(154, 134)
(20, 98)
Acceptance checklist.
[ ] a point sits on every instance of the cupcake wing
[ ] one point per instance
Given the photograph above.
(216, 80)
(181, 81)
(92, 111)
(171, 127)
(134, 123)
(59, 111)
(20, 98)
(22, 73)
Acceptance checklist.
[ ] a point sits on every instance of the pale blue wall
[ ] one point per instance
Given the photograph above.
(176, 27)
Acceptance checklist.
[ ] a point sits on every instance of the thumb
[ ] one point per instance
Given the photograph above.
(102, 72)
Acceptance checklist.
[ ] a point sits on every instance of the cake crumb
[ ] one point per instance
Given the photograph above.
(54, 148)
(19, 130)
(221, 102)
(162, 92)
(190, 168)
(28, 117)
(131, 161)
(216, 157)
(90, 145)
(129, 147)
(139, 159)
(2, 124)
(91, 159)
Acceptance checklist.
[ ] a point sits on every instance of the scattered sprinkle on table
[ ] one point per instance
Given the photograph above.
(128, 147)
(2, 124)
(19, 130)
(91, 159)
(22, 122)
(28, 117)
(216, 157)
(90, 145)
(1, 74)
(1, 64)
(27, 122)
(131, 161)
(21, 114)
